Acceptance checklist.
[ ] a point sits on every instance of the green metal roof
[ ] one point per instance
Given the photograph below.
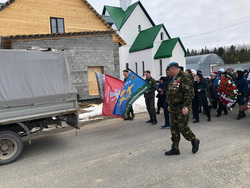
(116, 14)
(120, 16)
(146, 38)
(166, 48)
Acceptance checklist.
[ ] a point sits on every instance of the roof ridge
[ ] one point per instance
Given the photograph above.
(128, 12)
(166, 48)
(102, 19)
(9, 2)
(6, 4)
(124, 15)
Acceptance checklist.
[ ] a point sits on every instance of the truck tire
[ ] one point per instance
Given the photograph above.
(11, 146)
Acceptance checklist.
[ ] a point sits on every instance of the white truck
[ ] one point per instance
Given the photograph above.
(35, 91)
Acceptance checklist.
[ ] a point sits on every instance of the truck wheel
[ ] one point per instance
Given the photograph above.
(11, 146)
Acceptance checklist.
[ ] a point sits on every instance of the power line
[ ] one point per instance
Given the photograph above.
(203, 33)
(214, 30)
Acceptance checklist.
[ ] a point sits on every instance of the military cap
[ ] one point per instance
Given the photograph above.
(147, 71)
(172, 64)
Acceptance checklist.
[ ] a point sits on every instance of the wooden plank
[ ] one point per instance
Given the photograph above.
(93, 85)
(32, 17)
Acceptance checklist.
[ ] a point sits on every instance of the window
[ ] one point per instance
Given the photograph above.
(162, 36)
(139, 28)
(127, 66)
(160, 67)
(143, 69)
(57, 25)
(136, 68)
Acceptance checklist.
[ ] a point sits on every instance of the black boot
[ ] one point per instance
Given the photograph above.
(196, 120)
(132, 115)
(195, 143)
(151, 119)
(128, 117)
(154, 120)
(239, 115)
(243, 114)
(209, 118)
(158, 111)
(218, 115)
(174, 151)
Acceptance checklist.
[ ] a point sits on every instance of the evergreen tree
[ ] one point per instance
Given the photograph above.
(188, 52)
(220, 51)
(230, 55)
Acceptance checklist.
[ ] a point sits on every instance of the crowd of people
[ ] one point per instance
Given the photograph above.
(206, 95)
(182, 93)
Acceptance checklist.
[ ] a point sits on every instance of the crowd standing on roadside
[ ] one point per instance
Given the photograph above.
(182, 93)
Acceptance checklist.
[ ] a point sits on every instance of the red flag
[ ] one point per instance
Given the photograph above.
(112, 89)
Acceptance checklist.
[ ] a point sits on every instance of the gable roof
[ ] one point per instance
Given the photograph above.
(120, 16)
(166, 48)
(145, 39)
(106, 26)
(6, 4)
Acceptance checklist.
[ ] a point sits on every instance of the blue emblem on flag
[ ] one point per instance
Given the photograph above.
(133, 88)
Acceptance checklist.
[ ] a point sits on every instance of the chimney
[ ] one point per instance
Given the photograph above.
(125, 4)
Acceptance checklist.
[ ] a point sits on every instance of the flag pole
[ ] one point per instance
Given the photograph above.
(142, 78)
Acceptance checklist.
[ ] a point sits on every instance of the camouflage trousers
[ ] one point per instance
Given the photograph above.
(150, 104)
(179, 124)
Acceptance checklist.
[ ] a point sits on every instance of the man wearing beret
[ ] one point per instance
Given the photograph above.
(150, 98)
(179, 98)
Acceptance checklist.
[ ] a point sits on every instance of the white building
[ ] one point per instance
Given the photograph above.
(149, 46)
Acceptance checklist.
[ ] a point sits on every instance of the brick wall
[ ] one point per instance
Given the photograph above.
(81, 53)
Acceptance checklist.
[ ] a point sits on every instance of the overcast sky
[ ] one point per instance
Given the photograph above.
(185, 19)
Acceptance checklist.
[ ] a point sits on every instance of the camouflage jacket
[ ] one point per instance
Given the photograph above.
(180, 92)
(151, 91)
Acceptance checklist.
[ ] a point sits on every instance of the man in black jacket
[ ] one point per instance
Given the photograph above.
(150, 98)
(168, 79)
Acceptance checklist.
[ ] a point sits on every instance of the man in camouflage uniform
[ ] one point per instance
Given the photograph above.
(131, 113)
(179, 98)
(150, 98)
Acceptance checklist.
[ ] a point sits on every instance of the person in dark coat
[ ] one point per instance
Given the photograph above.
(212, 90)
(168, 79)
(242, 85)
(150, 98)
(189, 72)
(201, 86)
(160, 88)
(195, 104)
